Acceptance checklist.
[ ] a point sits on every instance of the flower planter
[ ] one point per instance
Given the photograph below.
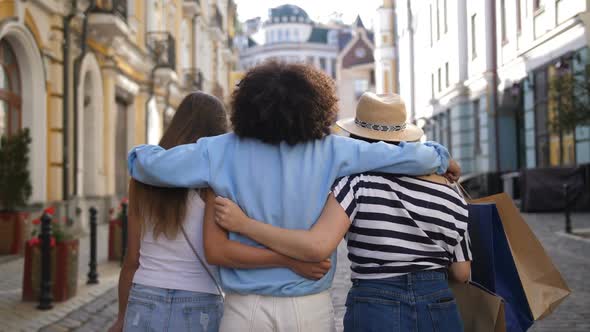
(115, 240)
(64, 270)
(12, 232)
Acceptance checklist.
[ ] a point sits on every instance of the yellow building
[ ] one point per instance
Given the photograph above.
(93, 80)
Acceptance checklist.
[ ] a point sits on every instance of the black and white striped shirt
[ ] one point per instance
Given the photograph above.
(401, 224)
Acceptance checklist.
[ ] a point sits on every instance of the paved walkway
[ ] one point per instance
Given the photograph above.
(16, 315)
(95, 307)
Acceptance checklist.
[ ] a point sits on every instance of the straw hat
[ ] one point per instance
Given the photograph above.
(381, 117)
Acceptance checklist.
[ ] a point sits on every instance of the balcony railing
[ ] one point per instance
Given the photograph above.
(193, 79)
(115, 7)
(163, 47)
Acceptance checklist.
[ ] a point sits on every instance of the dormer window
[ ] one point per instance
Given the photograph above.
(284, 18)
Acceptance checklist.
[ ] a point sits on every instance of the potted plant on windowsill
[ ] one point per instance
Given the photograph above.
(64, 261)
(15, 190)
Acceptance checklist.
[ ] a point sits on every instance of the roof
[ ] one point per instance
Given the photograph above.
(358, 23)
(288, 13)
(319, 35)
(344, 38)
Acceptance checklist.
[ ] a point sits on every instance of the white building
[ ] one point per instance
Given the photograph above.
(290, 35)
(345, 52)
(458, 57)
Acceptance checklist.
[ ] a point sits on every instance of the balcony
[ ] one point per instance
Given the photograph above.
(163, 48)
(109, 20)
(193, 79)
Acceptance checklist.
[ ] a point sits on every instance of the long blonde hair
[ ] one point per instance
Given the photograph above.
(199, 115)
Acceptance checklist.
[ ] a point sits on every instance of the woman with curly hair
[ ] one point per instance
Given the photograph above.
(278, 166)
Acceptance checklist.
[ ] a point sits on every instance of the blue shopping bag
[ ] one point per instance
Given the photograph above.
(493, 266)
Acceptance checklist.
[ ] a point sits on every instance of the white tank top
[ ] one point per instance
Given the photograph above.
(172, 264)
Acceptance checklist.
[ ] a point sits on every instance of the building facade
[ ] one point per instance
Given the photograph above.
(94, 78)
(489, 81)
(289, 35)
(386, 65)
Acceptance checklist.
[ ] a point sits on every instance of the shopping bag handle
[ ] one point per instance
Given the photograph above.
(462, 191)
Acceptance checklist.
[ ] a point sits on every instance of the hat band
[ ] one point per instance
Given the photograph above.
(379, 127)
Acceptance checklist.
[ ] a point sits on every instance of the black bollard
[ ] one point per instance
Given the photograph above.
(92, 274)
(123, 231)
(568, 219)
(45, 296)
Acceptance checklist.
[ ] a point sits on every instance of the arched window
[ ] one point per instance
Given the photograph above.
(10, 91)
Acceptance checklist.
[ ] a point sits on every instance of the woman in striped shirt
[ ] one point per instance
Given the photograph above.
(405, 234)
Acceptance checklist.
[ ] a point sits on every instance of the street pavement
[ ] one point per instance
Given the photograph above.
(96, 310)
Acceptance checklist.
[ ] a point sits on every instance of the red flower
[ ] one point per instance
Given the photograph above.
(36, 241)
(36, 221)
(50, 210)
(125, 200)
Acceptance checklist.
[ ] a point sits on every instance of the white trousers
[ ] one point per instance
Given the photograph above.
(256, 313)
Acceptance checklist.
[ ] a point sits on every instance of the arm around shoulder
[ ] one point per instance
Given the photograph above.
(182, 166)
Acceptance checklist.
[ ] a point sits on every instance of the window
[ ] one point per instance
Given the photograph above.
(554, 147)
(295, 34)
(309, 60)
(447, 80)
(431, 25)
(432, 85)
(287, 35)
(473, 37)
(439, 80)
(279, 35)
(10, 91)
(518, 17)
(503, 20)
(476, 128)
(333, 73)
(437, 20)
(360, 87)
(323, 64)
(445, 25)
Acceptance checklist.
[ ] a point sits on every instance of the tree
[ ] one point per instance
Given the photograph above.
(570, 92)
(15, 182)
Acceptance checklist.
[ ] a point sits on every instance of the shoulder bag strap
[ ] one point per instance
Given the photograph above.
(202, 262)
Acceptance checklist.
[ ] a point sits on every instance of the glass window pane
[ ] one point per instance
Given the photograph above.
(3, 118)
(3, 79)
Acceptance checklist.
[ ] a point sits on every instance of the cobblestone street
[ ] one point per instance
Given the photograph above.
(95, 311)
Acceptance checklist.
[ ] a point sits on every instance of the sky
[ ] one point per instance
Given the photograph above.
(318, 10)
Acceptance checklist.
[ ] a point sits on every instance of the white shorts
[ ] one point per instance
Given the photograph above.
(257, 313)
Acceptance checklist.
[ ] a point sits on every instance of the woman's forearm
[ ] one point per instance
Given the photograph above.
(125, 282)
(237, 255)
(299, 244)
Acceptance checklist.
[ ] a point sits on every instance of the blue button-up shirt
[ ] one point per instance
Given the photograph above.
(283, 185)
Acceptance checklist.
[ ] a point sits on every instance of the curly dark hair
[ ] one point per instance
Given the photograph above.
(281, 102)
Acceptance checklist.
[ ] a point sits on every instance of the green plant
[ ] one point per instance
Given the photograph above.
(15, 181)
(570, 92)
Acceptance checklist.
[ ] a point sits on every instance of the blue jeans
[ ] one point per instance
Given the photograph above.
(161, 309)
(417, 302)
